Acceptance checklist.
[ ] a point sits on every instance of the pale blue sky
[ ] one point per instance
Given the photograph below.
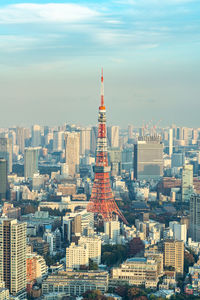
(51, 54)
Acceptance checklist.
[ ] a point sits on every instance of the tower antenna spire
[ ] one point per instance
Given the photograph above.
(102, 88)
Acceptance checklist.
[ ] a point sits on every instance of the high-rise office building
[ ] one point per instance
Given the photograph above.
(115, 161)
(195, 134)
(178, 159)
(179, 133)
(127, 159)
(93, 139)
(85, 134)
(185, 133)
(30, 162)
(6, 151)
(113, 136)
(72, 152)
(58, 141)
(3, 178)
(148, 158)
(20, 139)
(27, 136)
(174, 255)
(36, 136)
(187, 182)
(130, 132)
(195, 217)
(170, 142)
(13, 256)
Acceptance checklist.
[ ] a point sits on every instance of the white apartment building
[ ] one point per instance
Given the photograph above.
(179, 231)
(112, 231)
(76, 255)
(93, 245)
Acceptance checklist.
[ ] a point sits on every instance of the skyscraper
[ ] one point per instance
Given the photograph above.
(195, 217)
(170, 142)
(115, 161)
(20, 138)
(6, 151)
(113, 136)
(72, 152)
(179, 133)
(30, 162)
(85, 141)
(127, 159)
(93, 139)
(148, 158)
(3, 178)
(187, 182)
(178, 159)
(13, 256)
(36, 136)
(130, 132)
(58, 141)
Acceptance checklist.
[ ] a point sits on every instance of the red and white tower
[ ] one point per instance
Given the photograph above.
(102, 199)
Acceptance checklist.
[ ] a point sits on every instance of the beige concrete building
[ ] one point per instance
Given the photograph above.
(138, 271)
(13, 256)
(72, 152)
(174, 255)
(76, 283)
(158, 257)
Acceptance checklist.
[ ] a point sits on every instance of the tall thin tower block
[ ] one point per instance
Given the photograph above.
(102, 199)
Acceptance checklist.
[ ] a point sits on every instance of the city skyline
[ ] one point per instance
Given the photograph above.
(51, 53)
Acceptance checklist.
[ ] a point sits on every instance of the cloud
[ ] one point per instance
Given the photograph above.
(114, 22)
(151, 2)
(12, 43)
(40, 13)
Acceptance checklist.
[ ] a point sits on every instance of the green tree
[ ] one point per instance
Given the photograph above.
(132, 292)
(92, 265)
(96, 295)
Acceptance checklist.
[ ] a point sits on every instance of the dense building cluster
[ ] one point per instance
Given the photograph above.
(52, 245)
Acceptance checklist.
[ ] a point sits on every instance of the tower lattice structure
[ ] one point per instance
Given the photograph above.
(102, 200)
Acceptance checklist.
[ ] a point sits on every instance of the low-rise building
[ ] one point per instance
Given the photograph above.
(76, 282)
(42, 219)
(10, 211)
(138, 271)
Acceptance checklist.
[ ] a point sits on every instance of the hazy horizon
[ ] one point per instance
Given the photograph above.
(51, 54)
